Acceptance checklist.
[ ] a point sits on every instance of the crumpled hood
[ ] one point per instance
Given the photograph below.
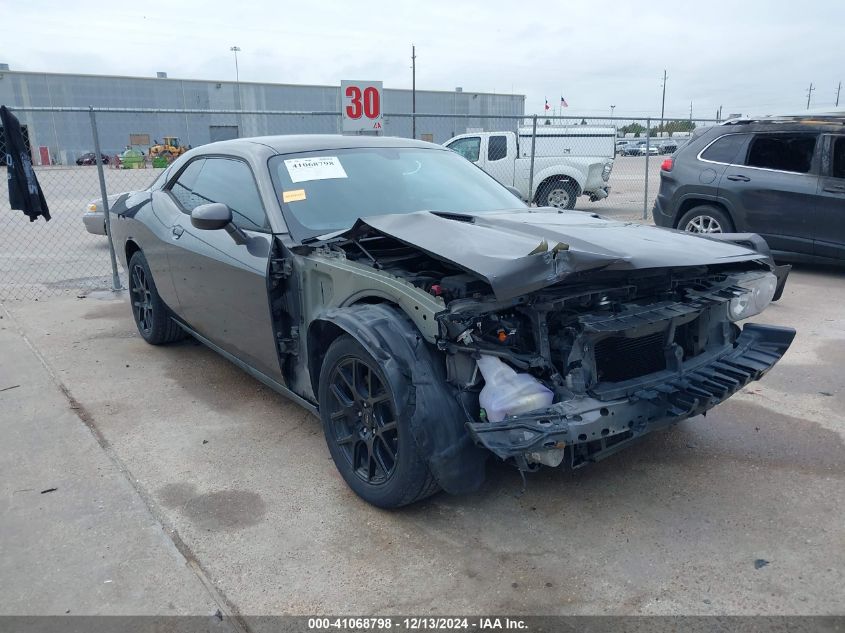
(519, 252)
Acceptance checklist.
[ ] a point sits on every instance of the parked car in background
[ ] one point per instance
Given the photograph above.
(90, 158)
(783, 178)
(648, 147)
(94, 218)
(569, 161)
(667, 146)
(428, 317)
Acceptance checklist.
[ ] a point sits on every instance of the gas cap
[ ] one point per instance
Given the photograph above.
(707, 176)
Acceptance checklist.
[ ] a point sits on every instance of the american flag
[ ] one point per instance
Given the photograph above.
(563, 103)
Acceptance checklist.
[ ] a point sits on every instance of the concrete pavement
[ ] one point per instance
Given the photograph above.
(77, 537)
(736, 513)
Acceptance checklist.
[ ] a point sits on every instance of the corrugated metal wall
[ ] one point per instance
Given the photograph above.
(68, 134)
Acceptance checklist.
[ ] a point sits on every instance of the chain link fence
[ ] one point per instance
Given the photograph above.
(610, 165)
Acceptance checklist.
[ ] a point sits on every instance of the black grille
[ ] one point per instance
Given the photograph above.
(619, 358)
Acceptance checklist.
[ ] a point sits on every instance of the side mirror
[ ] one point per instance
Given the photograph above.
(215, 216)
(210, 217)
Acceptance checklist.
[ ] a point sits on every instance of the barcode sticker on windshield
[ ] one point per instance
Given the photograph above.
(317, 168)
(294, 195)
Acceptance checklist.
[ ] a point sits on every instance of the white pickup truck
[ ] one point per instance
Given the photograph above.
(569, 161)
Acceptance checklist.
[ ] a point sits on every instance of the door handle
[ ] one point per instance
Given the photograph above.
(177, 231)
(739, 178)
(835, 189)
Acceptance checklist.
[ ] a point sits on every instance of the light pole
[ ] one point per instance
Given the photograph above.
(236, 50)
(612, 108)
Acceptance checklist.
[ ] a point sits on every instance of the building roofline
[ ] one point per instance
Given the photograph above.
(255, 83)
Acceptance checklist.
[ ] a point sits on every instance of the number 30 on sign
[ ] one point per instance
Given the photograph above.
(362, 106)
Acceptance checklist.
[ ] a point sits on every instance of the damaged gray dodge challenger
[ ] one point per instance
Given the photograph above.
(429, 317)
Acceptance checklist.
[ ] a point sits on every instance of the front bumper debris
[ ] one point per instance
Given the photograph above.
(596, 428)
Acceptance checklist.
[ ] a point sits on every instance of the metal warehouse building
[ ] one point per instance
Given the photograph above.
(66, 134)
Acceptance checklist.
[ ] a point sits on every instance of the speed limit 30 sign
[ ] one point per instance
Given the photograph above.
(361, 106)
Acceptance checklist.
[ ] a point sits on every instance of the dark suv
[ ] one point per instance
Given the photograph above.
(781, 178)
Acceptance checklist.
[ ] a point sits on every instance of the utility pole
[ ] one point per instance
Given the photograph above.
(690, 114)
(663, 102)
(236, 50)
(413, 91)
(809, 94)
(838, 90)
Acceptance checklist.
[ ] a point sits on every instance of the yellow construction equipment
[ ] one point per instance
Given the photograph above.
(170, 148)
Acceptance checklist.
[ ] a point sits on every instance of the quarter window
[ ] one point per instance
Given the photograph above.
(784, 152)
(497, 147)
(183, 188)
(469, 147)
(724, 149)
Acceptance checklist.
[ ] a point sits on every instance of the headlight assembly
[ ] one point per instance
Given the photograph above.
(759, 289)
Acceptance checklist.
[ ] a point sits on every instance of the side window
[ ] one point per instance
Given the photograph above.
(784, 152)
(724, 149)
(837, 165)
(183, 188)
(469, 147)
(230, 181)
(497, 147)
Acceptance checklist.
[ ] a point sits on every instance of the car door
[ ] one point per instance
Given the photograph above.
(221, 285)
(830, 235)
(772, 189)
(497, 159)
(469, 147)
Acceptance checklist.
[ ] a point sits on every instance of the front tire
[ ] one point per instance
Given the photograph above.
(152, 317)
(560, 194)
(371, 445)
(706, 219)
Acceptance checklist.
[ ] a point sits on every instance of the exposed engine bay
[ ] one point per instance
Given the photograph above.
(616, 351)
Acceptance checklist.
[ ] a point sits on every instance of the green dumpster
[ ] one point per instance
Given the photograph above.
(132, 159)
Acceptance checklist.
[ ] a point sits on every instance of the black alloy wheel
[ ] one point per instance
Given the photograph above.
(364, 420)
(142, 301)
(152, 316)
(367, 423)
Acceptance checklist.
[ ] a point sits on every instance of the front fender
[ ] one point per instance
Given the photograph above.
(418, 382)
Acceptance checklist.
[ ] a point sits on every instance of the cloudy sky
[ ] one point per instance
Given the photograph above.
(756, 56)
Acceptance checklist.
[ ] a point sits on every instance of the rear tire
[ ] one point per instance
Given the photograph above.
(560, 194)
(706, 219)
(152, 316)
(373, 447)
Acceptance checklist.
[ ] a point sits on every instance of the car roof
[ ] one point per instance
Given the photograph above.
(785, 124)
(292, 143)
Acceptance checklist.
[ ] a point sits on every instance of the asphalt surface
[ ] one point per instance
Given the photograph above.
(738, 512)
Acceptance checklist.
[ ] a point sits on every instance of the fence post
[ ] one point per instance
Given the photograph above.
(647, 152)
(531, 168)
(115, 279)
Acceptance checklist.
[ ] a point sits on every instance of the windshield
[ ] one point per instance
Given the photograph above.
(329, 190)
